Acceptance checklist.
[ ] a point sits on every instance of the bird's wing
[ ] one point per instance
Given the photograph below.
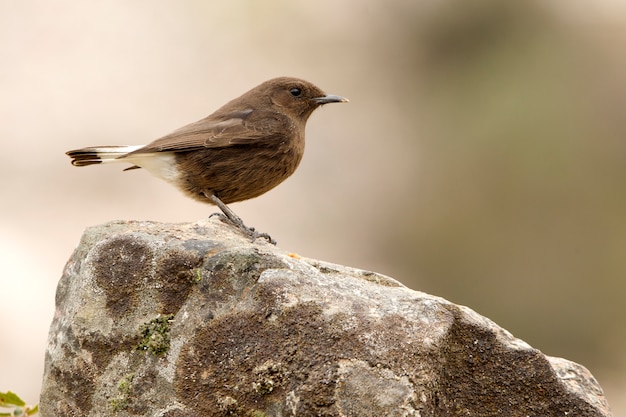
(233, 128)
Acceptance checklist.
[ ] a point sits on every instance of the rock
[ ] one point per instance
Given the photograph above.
(174, 320)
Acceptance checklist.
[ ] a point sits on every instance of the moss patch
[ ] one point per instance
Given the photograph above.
(155, 335)
(124, 388)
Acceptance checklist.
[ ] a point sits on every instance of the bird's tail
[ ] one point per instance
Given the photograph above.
(100, 154)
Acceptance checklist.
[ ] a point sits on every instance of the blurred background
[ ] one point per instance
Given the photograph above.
(482, 156)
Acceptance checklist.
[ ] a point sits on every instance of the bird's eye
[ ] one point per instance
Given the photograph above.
(295, 92)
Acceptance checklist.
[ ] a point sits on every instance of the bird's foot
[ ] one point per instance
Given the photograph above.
(248, 231)
(229, 216)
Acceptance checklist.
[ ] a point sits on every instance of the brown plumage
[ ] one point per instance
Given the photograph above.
(242, 150)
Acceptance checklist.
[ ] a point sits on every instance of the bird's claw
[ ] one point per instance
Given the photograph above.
(256, 235)
(222, 216)
(248, 231)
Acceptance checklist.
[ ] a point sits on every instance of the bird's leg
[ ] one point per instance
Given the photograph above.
(230, 217)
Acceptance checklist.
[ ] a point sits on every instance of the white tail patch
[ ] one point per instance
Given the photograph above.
(159, 164)
(110, 153)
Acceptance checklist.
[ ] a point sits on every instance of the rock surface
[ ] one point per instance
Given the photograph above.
(175, 320)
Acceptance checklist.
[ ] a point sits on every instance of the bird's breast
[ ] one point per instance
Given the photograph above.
(241, 172)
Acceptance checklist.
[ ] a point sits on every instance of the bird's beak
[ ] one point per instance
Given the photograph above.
(330, 99)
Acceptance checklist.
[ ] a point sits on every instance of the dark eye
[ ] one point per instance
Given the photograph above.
(295, 92)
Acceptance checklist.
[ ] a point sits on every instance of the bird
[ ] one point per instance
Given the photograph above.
(242, 150)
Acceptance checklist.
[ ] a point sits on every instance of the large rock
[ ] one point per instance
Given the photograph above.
(173, 320)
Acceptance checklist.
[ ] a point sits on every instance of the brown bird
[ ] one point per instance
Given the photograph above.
(244, 149)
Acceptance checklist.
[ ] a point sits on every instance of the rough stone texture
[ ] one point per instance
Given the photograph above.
(179, 320)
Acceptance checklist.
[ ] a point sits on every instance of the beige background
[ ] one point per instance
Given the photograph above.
(482, 157)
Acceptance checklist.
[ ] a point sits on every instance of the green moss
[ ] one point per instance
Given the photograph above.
(197, 275)
(124, 387)
(155, 335)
